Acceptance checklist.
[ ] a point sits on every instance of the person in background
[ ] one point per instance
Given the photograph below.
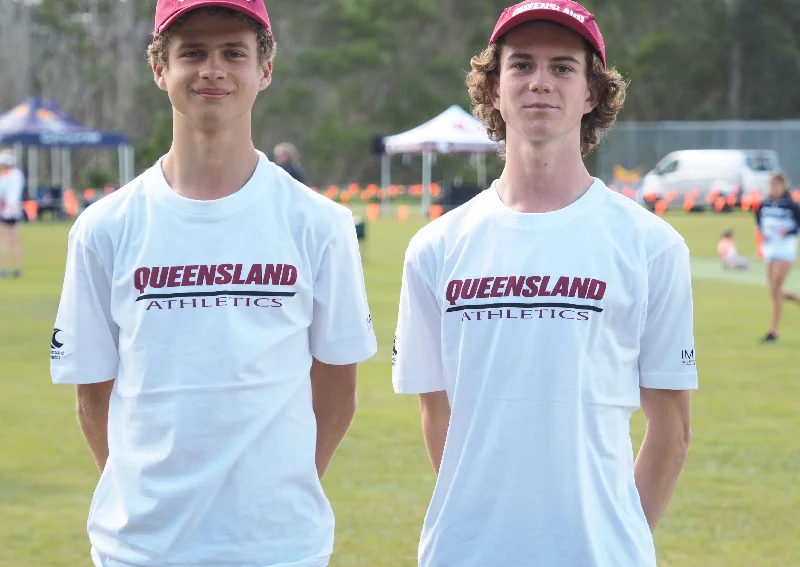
(728, 255)
(288, 158)
(778, 220)
(12, 186)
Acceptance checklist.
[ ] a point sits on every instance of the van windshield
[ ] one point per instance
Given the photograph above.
(760, 162)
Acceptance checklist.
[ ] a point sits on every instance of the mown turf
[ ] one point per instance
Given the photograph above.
(736, 504)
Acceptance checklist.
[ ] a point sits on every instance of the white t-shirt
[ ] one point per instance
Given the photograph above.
(208, 314)
(12, 186)
(542, 328)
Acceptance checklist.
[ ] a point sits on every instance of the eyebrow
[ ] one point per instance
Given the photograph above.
(557, 59)
(229, 45)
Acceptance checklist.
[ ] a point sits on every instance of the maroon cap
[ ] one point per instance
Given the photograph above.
(167, 11)
(564, 12)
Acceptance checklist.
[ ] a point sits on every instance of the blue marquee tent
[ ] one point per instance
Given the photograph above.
(39, 123)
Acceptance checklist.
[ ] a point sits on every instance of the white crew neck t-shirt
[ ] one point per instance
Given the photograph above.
(12, 187)
(542, 328)
(208, 314)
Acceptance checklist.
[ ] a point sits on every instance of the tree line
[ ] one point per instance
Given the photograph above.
(347, 70)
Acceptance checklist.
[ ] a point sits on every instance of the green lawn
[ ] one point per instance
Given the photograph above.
(736, 505)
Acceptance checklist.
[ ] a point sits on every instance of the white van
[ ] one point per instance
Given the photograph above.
(704, 171)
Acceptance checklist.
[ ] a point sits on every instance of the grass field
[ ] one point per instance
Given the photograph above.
(737, 501)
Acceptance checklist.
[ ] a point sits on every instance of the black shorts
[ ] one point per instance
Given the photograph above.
(8, 222)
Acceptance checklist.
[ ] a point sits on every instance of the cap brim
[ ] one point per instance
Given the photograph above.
(217, 3)
(550, 16)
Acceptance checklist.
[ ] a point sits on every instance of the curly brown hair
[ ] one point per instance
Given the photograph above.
(607, 83)
(157, 51)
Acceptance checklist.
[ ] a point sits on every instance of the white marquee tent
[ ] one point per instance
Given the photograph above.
(453, 131)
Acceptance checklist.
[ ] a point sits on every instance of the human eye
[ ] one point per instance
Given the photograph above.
(192, 55)
(563, 69)
(522, 66)
(235, 54)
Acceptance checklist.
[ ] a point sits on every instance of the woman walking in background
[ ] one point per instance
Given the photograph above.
(778, 219)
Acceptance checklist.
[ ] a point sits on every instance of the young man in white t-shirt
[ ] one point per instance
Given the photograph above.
(12, 187)
(536, 318)
(212, 316)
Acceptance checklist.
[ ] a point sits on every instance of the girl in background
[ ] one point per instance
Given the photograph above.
(778, 219)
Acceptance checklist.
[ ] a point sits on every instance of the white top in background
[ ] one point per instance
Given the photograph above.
(12, 187)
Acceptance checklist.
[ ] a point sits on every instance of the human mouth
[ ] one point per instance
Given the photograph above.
(540, 106)
(212, 94)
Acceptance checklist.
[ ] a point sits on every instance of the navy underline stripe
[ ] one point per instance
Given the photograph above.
(523, 305)
(217, 293)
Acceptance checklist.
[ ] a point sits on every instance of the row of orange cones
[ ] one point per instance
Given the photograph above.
(748, 201)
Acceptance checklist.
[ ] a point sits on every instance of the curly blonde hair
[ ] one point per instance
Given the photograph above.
(158, 49)
(607, 83)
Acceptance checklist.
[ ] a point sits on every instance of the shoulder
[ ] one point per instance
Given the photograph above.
(642, 226)
(304, 205)
(436, 237)
(100, 224)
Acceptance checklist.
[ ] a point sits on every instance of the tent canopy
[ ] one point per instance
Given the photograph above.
(43, 123)
(453, 131)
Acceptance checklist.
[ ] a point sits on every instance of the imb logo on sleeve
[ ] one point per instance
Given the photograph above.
(687, 356)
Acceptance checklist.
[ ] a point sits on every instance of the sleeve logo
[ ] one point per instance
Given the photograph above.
(56, 346)
(687, 356)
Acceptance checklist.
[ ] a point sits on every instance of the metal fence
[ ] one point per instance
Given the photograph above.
(643, 144)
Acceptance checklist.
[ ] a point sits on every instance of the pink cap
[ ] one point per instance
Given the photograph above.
(564, 12)
(167, 11)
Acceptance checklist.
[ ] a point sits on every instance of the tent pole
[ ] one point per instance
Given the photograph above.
(66, 169)
(19, 153)
(54, 165)
(131, 162)
(386, 180)
(33, 171)
(482, 170)
(122, 155)
(426, 183)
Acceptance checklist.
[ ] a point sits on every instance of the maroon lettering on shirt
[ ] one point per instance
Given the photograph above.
(523, 286)
(158, 277)
(237, 275)
(561, 287)
(483, 289)
(497, 287)
(224, 274)
(254, 276)
(189, 274)
(453, 291)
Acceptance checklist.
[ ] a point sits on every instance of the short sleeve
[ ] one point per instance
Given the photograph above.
(416, 357)
(667, 355)
(341, 327)
(84, 344)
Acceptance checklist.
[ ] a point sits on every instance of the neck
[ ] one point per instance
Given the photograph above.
(540, 178)
(209, 164)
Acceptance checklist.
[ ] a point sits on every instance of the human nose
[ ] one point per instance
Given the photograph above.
(213, 67)
(540, 80)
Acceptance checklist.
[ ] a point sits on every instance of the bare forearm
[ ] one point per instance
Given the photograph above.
(333, 389)
(332, 424)
(92, 408)
(435, 410)
(657, 468)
